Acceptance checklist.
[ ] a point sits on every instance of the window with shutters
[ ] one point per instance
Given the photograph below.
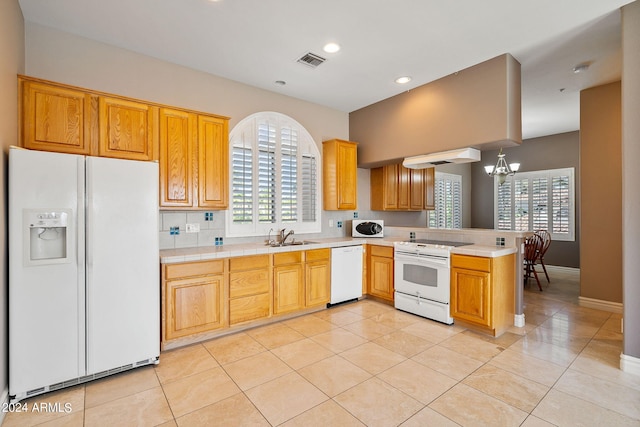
(274, 177)
(448, 202)
(540, 200)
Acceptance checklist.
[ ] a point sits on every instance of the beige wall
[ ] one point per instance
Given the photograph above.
(631, 178)
(601, 193)
(478, 105)
(12, 63)
(65, 58)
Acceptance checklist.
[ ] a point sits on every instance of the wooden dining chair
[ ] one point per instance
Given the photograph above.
(546, 241)
(532, 247)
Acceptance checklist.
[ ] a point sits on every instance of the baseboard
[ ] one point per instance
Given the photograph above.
(629, 364)
(562, 269)
(598, 304)
(4, 401)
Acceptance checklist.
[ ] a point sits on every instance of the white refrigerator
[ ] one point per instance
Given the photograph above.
(84, 293)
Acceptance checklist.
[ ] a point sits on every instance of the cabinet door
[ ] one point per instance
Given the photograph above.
(194, 306)
(429, 188)
(55, 119)
(404, 188)
(127, 129)
(471, 296)
(347, 176)
(317, 281)
(177, 134)
(381, 277)
(416, 185)
(390, 190)
(288, 288)
(213, 162)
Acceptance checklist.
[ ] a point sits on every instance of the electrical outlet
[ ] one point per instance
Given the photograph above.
(330, 223)
(192, 228)
(355, 215)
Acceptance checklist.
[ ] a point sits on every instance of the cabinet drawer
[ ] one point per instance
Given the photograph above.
(192, 269)
(471, 262)
(249, 308)
(250, 282)
(287, 258)
(248, 262)
(318, 254)
(384, 251)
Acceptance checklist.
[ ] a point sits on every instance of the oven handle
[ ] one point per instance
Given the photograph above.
(401, 256)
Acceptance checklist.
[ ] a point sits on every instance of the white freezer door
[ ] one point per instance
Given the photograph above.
(123, 286)
(46, 301)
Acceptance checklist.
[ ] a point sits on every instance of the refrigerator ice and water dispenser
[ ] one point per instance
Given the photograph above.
(46, 237)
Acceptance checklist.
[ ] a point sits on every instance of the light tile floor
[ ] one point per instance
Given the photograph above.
(368, 364)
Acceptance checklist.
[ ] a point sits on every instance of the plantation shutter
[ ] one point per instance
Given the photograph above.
(274, 183)
(242, 182)
(448, 202)
(289, 175)
(266, 173)
(541, 200)
(309, 188)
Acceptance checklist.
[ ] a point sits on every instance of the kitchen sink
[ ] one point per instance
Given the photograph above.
(291, 243)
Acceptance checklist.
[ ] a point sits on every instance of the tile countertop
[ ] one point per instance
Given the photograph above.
(170, 256)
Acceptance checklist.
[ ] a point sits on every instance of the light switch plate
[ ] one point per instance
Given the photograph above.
(192, 228)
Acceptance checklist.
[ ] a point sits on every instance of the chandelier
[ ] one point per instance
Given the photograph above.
(501, 169)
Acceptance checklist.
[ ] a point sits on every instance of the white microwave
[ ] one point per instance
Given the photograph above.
(367, 228)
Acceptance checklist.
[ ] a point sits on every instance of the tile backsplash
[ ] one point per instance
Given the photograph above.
(173, 225)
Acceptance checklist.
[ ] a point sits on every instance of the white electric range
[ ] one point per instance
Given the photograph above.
(422, 277)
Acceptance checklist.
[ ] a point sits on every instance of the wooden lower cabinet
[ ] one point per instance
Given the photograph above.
(380, 269)
(482, 292)
(317, 277)
(205, 299)
(249, 288)
(288, 282)
(193, 298)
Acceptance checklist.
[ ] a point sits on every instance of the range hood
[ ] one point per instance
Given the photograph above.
(461, 155)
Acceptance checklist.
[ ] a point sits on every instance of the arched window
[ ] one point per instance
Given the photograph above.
(274, 177)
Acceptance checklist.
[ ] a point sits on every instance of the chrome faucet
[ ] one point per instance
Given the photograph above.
(283, 236)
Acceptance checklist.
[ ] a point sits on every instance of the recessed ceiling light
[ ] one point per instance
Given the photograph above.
(331, 47)
(280, 82)
(402, 80)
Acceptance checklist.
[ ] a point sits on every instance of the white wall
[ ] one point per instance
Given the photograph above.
(11, 64)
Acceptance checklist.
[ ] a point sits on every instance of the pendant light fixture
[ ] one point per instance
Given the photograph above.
(502, 169)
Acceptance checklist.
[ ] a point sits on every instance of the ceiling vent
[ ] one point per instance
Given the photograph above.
(311, 59)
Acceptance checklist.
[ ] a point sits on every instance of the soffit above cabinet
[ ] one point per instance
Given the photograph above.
(476, 107)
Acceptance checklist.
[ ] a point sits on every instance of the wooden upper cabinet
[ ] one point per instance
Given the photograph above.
(404, 188)
(397, 188)
(127, 129)
(55, 118)
(429, 188)
(213, 162)
(177, 146)
(194, 171)
(417, 189)
(340, 174)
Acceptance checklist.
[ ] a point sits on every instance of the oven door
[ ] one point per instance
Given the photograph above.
(425, 276)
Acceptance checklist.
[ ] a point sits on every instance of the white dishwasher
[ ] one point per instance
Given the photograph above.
(346, 273)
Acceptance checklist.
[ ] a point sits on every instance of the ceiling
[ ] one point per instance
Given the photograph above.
(258, 42)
